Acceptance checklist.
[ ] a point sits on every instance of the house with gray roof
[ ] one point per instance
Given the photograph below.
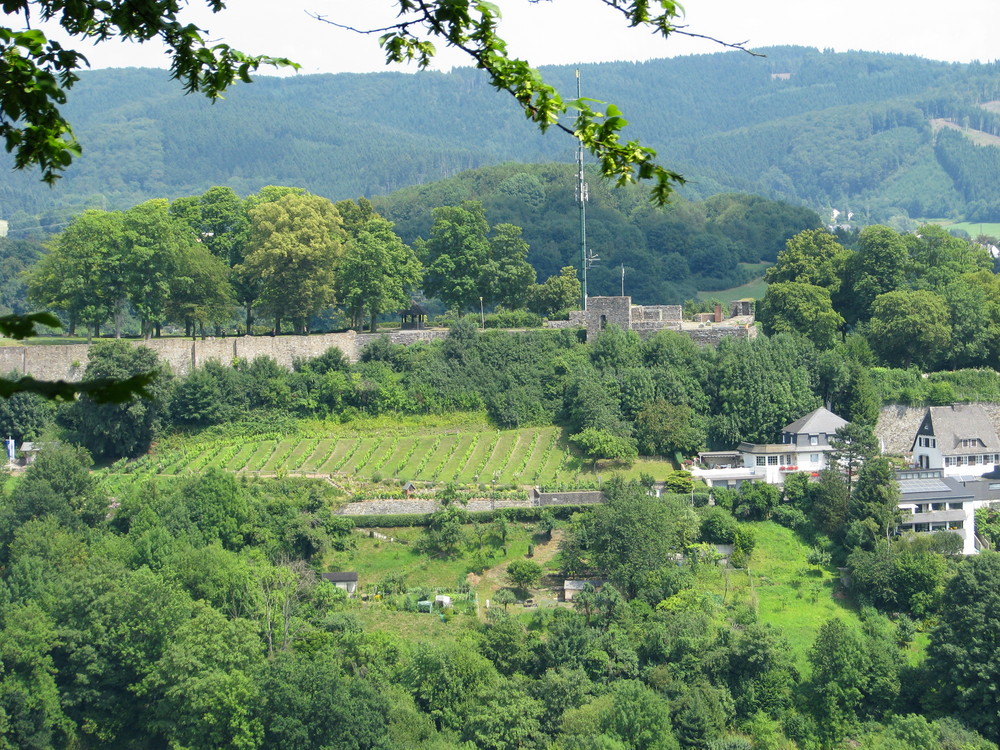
(804, 445)
(959, 439)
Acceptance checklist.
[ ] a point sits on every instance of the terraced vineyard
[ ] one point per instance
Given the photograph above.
(466, 453)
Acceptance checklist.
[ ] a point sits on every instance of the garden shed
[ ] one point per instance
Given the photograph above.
(348, 581)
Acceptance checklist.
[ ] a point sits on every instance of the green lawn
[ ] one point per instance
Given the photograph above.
(756, 288)
(781, 586)
(376, 559)
(976, 228)
(784, 589)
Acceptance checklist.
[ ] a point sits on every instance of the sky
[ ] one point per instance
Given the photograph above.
(582, 31)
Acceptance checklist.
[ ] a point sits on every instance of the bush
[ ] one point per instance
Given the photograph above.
(523, 515)
(718, 526)
(513, 319)
(790, 517)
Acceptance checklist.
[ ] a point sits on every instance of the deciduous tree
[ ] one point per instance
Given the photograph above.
(909, 326)
(377, 272)
(296, 243)
(791, 307)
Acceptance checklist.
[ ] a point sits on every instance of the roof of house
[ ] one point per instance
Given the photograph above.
(817, 422)
(343, 577)
(787, 448)
(952, 424)
(943, 488)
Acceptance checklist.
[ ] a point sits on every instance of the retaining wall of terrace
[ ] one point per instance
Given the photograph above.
(68, 361)
(406, 507)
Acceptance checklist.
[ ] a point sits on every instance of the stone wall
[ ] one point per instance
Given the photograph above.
(418, 507)
(711, 335)
(658, 313)
(68, 361)
(570, 498)
(606, 311)
(362, 340)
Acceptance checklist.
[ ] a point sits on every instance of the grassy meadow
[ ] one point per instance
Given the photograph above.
(755, 288)
(780, 586)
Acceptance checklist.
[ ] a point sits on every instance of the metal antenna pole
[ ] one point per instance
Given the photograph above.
(581, 196)
(623, 279)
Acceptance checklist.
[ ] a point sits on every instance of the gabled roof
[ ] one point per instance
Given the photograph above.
(951, 424)
(340, 577)
(822, 420)
(414, 309)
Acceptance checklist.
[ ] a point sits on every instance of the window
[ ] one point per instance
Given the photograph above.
(814, 458)
(814, 440)
(951, 461)
(761, 460)
(772, 460)
(954, 506)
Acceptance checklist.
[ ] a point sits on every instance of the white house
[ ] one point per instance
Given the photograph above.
(804, 446)
(932, 502)
(959, 439)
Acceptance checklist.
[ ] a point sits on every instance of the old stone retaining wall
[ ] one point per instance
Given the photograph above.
(406, 507)
(68, 361)
(570, 498)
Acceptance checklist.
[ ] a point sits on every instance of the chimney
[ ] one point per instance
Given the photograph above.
(718, 313)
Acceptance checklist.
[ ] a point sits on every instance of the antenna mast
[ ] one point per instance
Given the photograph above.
(582, 194)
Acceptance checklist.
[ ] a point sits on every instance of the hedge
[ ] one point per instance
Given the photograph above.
(532, 513)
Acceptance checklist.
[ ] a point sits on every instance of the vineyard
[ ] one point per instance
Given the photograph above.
(465, 453)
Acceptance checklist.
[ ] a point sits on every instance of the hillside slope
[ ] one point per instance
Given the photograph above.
(848, 130)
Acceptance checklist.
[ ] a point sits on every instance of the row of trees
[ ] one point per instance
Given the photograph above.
(927, 298)
(282, 255)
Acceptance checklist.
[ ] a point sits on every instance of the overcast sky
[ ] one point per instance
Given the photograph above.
(574, 31)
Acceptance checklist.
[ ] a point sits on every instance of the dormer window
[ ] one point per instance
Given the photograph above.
(971, 443)
(814, 440)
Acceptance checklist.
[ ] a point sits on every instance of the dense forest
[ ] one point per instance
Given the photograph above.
(190, 612)
(853, 131)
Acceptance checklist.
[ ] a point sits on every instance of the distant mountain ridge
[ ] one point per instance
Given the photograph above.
(826, 130)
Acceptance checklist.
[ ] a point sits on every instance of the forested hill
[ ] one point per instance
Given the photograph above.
(866, 132)
(667, 254)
